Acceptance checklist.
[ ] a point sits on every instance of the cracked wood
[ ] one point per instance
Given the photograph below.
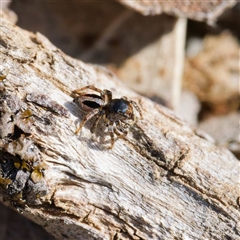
(164, 181)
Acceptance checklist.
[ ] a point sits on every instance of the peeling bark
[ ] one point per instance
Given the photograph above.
(164, 181)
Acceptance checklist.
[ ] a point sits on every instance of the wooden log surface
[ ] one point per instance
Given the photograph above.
(198, 10)
(166, 180)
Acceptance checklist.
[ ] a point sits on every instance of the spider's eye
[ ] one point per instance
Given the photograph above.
(120, 106)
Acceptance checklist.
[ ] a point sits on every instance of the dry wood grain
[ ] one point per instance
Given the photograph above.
(198, 10)
(165, 181)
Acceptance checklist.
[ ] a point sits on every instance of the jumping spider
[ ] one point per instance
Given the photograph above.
(118, 113)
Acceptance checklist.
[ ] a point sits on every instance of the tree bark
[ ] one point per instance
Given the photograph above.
(166, 180)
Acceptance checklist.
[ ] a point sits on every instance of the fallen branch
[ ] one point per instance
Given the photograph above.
(164, 181)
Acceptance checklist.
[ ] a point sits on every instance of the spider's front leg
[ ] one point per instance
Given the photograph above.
(137, 108)
(121, 130)
(135, 105)
(111, 132)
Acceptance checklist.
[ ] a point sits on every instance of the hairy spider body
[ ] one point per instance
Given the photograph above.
(118, 113)
(88, 102)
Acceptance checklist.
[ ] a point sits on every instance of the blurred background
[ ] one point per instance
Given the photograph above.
(190, 65)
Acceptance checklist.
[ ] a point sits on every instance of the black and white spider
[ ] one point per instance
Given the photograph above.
(118, 113)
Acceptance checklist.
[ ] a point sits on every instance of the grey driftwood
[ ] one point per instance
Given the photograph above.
(166, 180)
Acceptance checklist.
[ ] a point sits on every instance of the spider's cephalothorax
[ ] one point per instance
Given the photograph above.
(118, 113)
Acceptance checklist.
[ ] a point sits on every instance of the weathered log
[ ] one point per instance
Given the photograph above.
(198, 10)
(166, 180)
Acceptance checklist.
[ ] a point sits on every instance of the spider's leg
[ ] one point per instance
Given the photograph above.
(95, 124)
(106, 95)
(137, 108)
(120, 133)
(86, 118)
(111, 132)
(79, 91)
(135, 105)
